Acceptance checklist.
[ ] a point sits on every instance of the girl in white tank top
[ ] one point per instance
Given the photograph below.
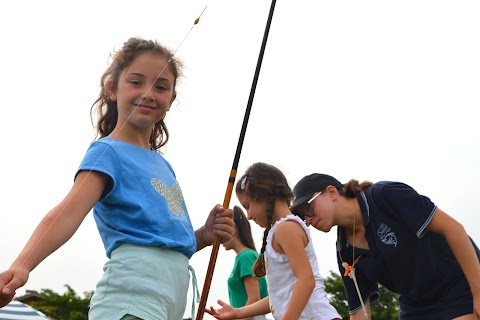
(295, 286)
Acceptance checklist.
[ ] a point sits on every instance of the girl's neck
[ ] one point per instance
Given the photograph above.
(239, 247)
(137, 138)
(281, 210)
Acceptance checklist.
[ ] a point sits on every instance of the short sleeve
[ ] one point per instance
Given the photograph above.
(405, 204)
(245, 265)
(102, 158)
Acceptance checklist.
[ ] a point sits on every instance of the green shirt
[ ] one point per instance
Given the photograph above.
(243, 267)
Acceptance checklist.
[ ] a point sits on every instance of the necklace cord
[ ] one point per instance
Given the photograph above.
(350, 269)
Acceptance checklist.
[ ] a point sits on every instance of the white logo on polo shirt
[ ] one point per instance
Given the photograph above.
(386, 235)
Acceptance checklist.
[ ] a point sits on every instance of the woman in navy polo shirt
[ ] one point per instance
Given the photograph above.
(390, 234)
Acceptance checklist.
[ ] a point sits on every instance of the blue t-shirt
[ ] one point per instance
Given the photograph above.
(403, 255)
(145, 204)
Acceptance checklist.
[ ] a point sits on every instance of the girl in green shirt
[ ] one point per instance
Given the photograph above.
(243, 286)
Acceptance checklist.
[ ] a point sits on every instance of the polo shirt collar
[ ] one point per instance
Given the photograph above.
(364, 207)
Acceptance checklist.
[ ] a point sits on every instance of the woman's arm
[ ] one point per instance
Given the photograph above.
(292, 239)
(463, 250)
(360, 315)
(58, 225)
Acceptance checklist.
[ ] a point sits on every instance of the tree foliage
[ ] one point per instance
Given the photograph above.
(386, 308)
(64, 306)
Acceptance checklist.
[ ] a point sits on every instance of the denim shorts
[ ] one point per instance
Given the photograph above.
(144, 282)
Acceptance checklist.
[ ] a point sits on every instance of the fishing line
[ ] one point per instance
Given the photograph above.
(101, 155)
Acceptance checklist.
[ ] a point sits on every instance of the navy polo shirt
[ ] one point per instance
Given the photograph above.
(403, 255)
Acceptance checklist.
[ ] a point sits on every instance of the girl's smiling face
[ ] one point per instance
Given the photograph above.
(145, 91)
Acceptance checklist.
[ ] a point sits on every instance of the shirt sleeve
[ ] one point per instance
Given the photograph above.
(406, 205)
(102, 158)
(245, 265)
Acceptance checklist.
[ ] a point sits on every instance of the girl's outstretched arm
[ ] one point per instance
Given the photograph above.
(227, 312)
(292, 239)
(463, 250)
(58, 225)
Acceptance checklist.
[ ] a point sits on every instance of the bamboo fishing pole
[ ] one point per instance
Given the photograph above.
(233, 171)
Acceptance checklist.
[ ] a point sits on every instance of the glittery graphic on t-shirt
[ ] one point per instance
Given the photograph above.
(173, 196)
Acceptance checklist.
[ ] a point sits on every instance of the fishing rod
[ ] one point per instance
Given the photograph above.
(233, 171)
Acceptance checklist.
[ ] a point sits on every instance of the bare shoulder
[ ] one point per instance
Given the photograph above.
(289, 230)
(289, 226)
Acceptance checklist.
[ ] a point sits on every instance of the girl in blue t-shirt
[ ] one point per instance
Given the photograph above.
(137, 202)
(390, 234)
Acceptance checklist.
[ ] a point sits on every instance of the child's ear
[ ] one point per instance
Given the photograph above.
(112, 90)
(174, 96)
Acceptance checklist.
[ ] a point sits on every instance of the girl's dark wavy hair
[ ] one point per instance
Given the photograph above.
(121, 59)
(264, 182)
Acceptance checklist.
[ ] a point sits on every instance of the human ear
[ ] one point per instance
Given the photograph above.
(174, 96)
(332, 192)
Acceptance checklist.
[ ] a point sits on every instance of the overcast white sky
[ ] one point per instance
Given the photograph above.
(371, 90)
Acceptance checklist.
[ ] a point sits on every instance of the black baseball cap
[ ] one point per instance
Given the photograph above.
(308, 185)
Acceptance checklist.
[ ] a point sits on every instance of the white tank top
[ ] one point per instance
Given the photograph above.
(281, 280)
